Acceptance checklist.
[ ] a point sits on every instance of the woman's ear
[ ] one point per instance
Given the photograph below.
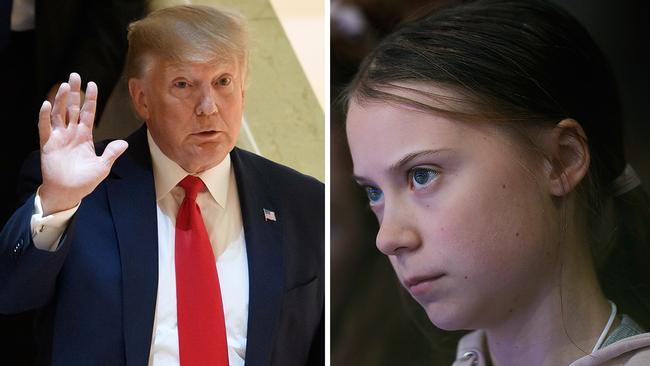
(569, 157)
(138, 98)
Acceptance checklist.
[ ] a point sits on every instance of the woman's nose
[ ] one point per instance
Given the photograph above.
(397, 232)
(207, 103)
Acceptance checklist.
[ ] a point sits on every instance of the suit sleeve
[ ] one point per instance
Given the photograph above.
(27, 274)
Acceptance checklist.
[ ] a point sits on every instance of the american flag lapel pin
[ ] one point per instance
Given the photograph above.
(269, 215)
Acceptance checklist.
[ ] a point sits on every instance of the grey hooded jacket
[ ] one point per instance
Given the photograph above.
(633, 350)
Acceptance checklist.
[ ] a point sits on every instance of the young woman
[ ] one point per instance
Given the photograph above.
(488, 139)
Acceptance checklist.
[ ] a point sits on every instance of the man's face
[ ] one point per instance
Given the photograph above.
(193, 110)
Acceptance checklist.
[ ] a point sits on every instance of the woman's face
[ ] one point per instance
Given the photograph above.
(465, 216)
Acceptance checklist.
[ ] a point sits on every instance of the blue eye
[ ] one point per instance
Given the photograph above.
(421, 177)
(374, 194)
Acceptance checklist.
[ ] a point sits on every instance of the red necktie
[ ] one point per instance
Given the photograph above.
(201, 326)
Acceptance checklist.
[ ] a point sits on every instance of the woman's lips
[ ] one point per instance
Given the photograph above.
(421, 285)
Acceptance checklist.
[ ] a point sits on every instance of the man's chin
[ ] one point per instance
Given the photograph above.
(206, 159)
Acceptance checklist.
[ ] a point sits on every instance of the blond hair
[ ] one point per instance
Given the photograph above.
(187, 33)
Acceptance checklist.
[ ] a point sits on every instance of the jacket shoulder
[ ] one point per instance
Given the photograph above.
(279, 176)
(630, 351)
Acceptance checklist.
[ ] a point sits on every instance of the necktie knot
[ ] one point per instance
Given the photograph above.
(192, 186)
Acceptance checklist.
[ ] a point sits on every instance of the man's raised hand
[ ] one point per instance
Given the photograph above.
(69, 165)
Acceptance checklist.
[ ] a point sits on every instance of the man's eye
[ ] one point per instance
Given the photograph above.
(225, 81)
(421, 177)
(181, 84)
(374, 194)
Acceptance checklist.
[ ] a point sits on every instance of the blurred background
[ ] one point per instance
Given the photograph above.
(373, 321)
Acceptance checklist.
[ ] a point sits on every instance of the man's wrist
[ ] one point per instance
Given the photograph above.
(56, 200)
(47, 230)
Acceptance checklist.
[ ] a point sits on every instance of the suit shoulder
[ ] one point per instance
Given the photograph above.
(280, 175)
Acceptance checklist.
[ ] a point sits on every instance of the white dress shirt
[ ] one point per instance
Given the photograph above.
(221, 213)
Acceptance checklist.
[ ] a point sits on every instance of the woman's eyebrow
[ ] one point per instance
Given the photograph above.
(416, 154)
(360, 180)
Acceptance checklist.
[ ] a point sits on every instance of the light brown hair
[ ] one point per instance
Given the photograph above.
(187, 33)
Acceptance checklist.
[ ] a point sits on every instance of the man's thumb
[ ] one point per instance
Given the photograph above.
(113, 151)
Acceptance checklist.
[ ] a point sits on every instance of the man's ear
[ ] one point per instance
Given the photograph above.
(570, 157)
(138, 98)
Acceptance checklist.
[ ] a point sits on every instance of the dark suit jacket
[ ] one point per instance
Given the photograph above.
(97, 292)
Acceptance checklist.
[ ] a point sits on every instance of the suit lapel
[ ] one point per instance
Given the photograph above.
(265, 259)
(133, 206)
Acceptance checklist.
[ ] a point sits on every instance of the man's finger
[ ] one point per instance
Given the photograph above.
(113, 151)
(90, 104)
(59, 106)
(44, 123)
(74, 98)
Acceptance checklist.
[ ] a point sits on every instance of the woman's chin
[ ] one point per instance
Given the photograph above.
(447, 317)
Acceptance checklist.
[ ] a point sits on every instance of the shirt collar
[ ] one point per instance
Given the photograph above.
(167, 173)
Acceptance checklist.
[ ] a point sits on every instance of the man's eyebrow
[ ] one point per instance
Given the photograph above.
(414, 155)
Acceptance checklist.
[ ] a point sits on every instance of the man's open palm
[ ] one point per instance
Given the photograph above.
(69, 165)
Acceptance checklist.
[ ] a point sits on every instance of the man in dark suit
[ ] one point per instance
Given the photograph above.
(111, 248)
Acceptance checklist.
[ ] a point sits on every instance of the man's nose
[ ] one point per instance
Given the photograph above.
(207, 104)
(398, 232)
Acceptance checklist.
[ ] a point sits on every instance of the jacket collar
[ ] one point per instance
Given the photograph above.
(472, 350)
